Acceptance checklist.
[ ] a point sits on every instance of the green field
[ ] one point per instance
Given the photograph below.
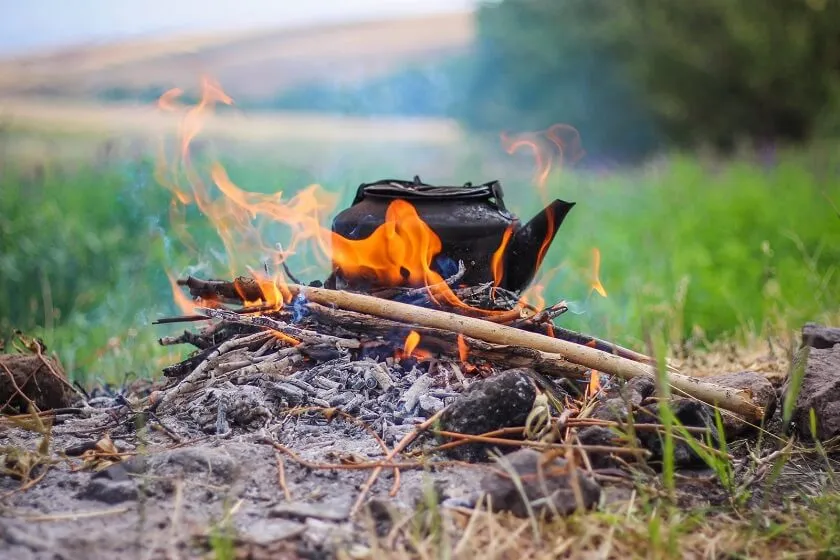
(699, 249)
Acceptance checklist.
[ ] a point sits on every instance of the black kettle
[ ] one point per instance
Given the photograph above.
(470, 220)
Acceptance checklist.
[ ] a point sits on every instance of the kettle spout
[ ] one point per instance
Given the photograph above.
(530, 243)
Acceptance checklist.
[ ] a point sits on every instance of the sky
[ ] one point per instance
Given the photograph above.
(32, 25)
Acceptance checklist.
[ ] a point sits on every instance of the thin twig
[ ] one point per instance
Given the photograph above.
(72, 516)
(281, 476)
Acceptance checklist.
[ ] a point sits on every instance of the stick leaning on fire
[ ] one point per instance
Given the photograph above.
(733, 400)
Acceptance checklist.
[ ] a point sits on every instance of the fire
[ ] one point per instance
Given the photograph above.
(400, 252)
(550, 149)
(463, 349)
(596, 273)
(594, 383)
(184, 303)
(497, 262)
(411, 342)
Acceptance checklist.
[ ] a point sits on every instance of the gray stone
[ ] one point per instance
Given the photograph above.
(546, 488)
(820, 337)
(110, 491)
(266, 531)
(761, 391)
(501, 401)
(820, 391)
(430, 405)
(601, 436)
(633, 393)
(611, 410)
(302, 510)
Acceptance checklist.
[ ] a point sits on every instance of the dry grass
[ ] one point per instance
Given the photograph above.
(249, 64)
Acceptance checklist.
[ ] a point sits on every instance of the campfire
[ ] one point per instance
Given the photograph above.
(348, 356)
(427, 328)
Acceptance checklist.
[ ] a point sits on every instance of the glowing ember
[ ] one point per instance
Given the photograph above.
(411, 342)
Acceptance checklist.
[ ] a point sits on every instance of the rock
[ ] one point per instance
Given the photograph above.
(501, 401)
(762, 392)
(611, 410)
(547, 487)
(191, 461)
(638, 389)
(40, 378)
(820, 337)
(600, 435)
(689, 413)
(820, 391)
(633, 392)
(302, 510)
(382, 515)
(110, 491)
(266, 531)
(430, 405)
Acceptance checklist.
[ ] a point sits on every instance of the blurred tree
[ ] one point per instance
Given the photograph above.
(633, 74)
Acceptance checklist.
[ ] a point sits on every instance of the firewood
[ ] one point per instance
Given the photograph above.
(738, 401)
(446, 341)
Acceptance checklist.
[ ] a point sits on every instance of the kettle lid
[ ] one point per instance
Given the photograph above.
(416, 189)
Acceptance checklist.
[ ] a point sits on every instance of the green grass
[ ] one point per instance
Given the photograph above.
(688, 247)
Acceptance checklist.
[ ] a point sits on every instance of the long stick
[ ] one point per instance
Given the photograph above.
(738, 401)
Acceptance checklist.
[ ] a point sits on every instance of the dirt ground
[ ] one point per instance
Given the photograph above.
(177, 492)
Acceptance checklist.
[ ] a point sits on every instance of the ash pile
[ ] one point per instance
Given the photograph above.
(253, 365)
(316, 372)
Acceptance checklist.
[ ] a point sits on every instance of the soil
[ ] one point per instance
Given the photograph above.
(180, 493)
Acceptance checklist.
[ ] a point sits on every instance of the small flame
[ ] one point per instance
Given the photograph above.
(185, 304)
(411, 342)
(549, 149)
(596, 273)
(594, 383)
(463, 349)
(498, 260)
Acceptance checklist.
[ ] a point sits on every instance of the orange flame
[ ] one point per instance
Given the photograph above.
(550, 148)
(596, 273)
(399, 252)
(185, 304)
(497, 262)
(594, 383)
(463, 349)
(411, 342)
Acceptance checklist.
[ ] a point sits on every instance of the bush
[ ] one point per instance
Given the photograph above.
(635, 74)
